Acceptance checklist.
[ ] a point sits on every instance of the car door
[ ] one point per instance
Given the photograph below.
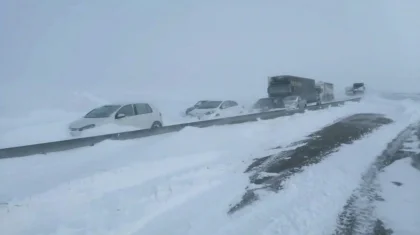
(229, 108)
(223, 109)
(301, 103)
(125, 116)
(239, 108)
(234, 108)
(144, 115)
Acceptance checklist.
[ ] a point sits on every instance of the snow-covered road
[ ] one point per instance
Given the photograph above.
(184, 183)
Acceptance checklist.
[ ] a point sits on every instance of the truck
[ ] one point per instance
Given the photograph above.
(325, 91)
(287, 85)
(358, 88)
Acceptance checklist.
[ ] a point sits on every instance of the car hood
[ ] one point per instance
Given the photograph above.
(82, 122)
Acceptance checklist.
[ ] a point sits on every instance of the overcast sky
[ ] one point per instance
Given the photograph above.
(202, 49)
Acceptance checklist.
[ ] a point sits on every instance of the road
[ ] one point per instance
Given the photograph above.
(199, 181)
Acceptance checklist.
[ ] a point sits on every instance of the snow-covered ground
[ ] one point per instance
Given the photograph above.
(184, 182)
(37, 127)
(401, 193)
(399, 184)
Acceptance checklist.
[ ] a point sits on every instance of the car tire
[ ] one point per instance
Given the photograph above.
(156, 125)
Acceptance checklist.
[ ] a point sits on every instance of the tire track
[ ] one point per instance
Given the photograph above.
(358, 215)
(270, 172)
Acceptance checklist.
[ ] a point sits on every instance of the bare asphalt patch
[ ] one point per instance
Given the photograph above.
(270, 172)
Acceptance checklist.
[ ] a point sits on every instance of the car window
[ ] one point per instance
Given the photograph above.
(233, 103)
(127, 110)
(225, 105)
(209, 105)
(228, 104)
(143, 109)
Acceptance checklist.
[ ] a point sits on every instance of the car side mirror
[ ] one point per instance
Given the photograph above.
(119, 116)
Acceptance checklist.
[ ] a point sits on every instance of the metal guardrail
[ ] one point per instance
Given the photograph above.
(64, 145)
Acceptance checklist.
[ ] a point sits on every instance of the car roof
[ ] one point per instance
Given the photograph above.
(218, 100)
(125, 103)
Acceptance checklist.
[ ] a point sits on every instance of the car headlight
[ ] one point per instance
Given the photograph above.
(87, 127)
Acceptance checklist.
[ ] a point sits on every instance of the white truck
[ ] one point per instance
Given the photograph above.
(325, 91)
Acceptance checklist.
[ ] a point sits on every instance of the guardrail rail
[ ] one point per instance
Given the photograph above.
(64, 145)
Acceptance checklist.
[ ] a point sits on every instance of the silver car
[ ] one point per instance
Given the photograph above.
(294, 102)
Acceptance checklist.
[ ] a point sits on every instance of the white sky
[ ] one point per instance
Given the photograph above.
(202, 49)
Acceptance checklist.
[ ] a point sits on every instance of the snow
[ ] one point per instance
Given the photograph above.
(47, 125)
(400, 210)
(184, 182)
(37, 127)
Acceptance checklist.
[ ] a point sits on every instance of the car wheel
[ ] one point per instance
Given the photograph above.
(156, 125)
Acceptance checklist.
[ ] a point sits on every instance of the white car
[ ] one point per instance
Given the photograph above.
(294, 102)
(217, 109)
(138, 115)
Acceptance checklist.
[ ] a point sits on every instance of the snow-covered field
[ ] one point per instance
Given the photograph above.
(183, 183)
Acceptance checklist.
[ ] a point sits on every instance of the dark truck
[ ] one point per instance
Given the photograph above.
(287, 85)
(358, 88)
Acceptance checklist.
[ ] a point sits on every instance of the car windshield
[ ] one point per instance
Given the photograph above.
(199, 103)
(268, 103)
(102, 112)
(209, 105)
(290, 98)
